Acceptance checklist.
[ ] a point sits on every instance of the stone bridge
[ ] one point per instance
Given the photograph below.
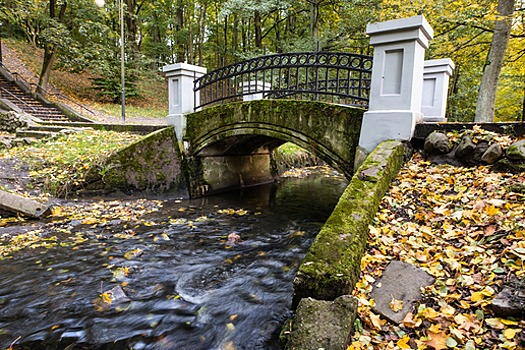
(238, 114)
(230, 145)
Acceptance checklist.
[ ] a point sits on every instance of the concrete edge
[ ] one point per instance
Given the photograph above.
(332, 265)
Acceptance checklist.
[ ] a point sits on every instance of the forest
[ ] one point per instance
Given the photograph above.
(84, 35)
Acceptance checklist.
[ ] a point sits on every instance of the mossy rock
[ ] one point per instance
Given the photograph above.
(320, 324)
(507, 166)
(153, 163)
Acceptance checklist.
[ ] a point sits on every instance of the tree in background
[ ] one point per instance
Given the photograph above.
(492, 70)
(213, 33)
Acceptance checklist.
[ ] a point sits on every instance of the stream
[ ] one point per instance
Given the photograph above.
(205, 274)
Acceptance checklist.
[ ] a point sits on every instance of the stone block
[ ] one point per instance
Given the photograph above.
(321, 324)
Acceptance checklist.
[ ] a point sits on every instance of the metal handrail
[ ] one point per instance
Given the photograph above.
(320, 76)
(37, 88)
(17, 98)
(59, 96)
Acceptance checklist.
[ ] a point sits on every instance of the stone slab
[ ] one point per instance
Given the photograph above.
(403, 282)
(19, 205)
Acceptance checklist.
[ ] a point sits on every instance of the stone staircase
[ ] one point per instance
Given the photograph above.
(27, 103)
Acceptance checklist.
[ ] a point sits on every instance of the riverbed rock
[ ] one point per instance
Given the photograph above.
(321, 324)
(493, 153)
(437, 143)
(400, 285)
(465, 148)
(516, 151)
(510, 301)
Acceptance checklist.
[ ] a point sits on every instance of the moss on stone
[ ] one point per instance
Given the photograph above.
(332, 265)
(327, 130)
(153, 163)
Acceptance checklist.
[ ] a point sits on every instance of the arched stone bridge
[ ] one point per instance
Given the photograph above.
(230, 145)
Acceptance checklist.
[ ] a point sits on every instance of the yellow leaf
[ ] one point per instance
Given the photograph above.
(495, 323)
(508, 322)
(476, 296)
(376, 321)
(491, 210)
(396, 305)
(435, 328)
(436, 340)
(402, 343)
(428, 313)
(509, 333)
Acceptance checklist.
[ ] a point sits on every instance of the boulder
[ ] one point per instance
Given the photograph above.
(516, 151)
(437, 143)
(465, 148)
(320, 324)
(492, 154)
(507, 166)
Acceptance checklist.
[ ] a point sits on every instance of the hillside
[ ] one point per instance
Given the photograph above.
(149, 107)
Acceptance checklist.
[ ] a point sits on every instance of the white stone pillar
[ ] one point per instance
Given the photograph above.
(397, 80)
(180, 93)
(436, 76)
(252, 90)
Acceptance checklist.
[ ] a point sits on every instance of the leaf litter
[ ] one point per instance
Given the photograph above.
(465, 227)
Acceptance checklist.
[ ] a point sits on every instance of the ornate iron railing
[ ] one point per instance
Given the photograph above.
(333, 77)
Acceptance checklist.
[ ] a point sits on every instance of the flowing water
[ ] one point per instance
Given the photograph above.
(172, 283)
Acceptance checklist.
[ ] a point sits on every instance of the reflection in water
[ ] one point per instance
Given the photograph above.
(173, 283)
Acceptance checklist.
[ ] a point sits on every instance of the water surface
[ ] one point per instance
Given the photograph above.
(171, 280)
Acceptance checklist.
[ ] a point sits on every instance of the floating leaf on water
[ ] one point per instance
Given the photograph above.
(132, 254)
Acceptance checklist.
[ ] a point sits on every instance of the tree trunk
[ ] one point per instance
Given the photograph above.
(496, 55)
(258, 29)
(314, 21)
(523, 106)
(50, 50)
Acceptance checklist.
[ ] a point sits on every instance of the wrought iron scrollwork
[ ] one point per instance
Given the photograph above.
(334, 77)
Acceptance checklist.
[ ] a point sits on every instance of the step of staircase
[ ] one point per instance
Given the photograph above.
(31, 105)
(37, 134)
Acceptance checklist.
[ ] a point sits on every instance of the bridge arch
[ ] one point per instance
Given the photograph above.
(231, 144)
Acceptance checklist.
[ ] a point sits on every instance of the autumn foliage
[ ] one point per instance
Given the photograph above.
(464, 226)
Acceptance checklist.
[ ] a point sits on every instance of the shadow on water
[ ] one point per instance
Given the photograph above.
(175, 283)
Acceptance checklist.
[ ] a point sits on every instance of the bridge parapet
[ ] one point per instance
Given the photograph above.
(334, 77)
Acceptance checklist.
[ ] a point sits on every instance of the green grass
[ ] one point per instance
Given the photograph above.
(62, 164)
(115, 110)
(290, 155)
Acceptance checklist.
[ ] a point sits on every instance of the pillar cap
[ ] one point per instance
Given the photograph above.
(444, 65)
(404, 29)
(183, 68)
